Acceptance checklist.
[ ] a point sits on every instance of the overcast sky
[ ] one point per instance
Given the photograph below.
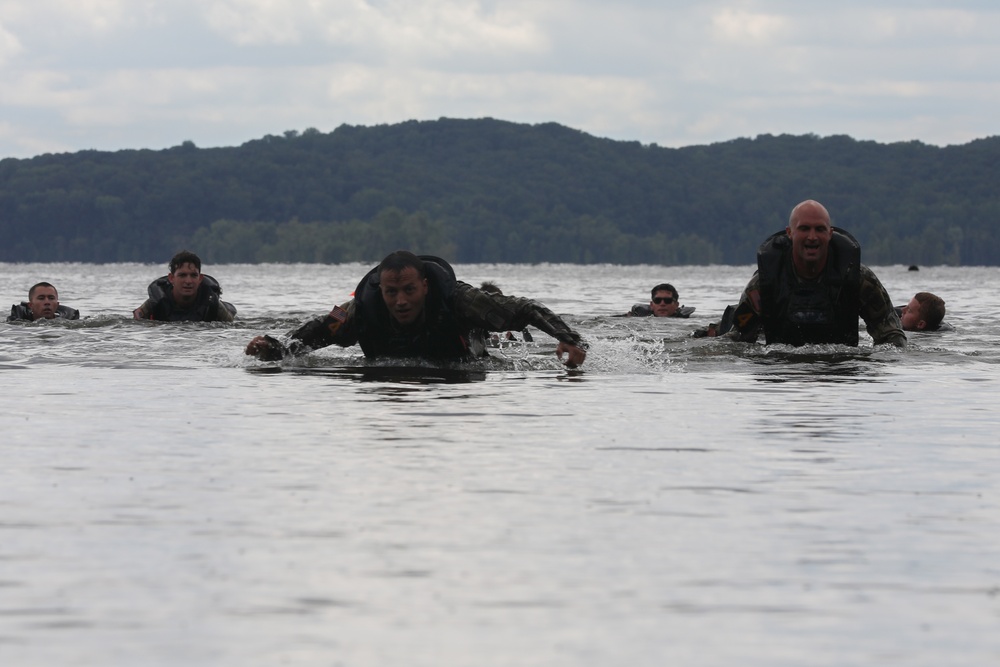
(112, 74)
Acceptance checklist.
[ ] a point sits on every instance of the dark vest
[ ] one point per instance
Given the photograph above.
(205, 308)
(22, 311)
(822, 311)
(437, 336)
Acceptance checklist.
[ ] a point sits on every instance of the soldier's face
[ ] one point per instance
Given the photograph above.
(659, 304)
(911, 316)
(186, 279)
(810, 233)
(43, 303)
(404, 293)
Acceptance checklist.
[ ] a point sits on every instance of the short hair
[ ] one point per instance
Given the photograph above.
(184, 257)
(931, 308)
(664, 287)
(400, 261)
(31, 292)
(490, 287)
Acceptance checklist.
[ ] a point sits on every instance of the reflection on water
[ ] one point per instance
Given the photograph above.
(402, 374)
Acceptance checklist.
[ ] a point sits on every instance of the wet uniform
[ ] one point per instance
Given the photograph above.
(450, 328)
(875, 309)
(207, 307)
(22, 312)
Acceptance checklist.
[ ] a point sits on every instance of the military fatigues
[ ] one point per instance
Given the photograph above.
(881, 320)
(23, 312)
(472, 310)
(207, 307)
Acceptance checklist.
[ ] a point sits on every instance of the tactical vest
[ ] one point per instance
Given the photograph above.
(439, 336)
(22, 311)
(205, 308)
(798, 312)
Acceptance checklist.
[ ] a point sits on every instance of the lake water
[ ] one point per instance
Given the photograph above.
(167, 501)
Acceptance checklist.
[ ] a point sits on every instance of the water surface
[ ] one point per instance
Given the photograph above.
(168, 501)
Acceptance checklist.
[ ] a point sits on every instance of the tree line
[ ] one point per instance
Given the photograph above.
(493, 191)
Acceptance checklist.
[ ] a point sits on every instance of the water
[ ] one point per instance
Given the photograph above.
(167, 501)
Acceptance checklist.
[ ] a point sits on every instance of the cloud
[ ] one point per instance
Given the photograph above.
(395, 31)
(152, 73)
(740, 26)
(9, 45)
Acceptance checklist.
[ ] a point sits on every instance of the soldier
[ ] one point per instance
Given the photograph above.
(411, 306)
(664, 301)
(42, 304)
(811, 287)
(924, 312)
(185, 295)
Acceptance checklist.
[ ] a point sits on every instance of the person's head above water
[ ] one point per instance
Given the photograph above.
(403, 283)
(490, 287)
(663, 300)
(185, 277)
(924, 312)
(43, 300)
(810, 232)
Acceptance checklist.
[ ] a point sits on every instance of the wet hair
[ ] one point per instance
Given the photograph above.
(664, 287)
(34, 287)
(400, 261)
(182, 258)
(931, 308)
(490, 287)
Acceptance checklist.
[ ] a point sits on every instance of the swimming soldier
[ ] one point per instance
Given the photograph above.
(924, 312)
(42, 304)
(664, 301)
(810, 287)
(185, 295)
(410, 306)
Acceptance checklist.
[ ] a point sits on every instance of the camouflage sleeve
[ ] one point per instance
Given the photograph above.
(495, 312)
(746, 318)
(337, 327)
(881, 320)
(144, 311)
(222, 314)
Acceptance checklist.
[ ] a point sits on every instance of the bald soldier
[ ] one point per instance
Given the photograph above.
(811, 287)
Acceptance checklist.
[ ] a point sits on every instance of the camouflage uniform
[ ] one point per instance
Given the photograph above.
(475, 311)
(881, 320)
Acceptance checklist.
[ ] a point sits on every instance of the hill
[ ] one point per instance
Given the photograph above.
(493, 191)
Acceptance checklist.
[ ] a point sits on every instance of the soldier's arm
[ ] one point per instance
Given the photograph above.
(740, 322)
(494, 312)
(222, 314)
(337, 327)
(144, 311)
(881, 320)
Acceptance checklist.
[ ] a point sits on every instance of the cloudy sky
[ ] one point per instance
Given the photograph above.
(112, 74)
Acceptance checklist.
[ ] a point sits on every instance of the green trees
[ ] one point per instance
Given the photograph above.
(492, 191)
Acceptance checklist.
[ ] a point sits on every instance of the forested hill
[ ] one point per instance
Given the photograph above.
(493, 191)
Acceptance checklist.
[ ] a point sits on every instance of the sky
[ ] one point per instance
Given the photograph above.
(129, 74)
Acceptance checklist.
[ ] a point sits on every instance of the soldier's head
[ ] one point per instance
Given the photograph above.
(924, 312)
(663, 300)
(810, 232)
(403, 282)
(185, 277)
(490, 288)
(43, 300)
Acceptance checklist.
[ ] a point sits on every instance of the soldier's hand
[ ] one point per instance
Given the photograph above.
(574, 355)
(265, 348)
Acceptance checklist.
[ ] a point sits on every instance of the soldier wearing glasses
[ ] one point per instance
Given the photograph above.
(664, 302)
